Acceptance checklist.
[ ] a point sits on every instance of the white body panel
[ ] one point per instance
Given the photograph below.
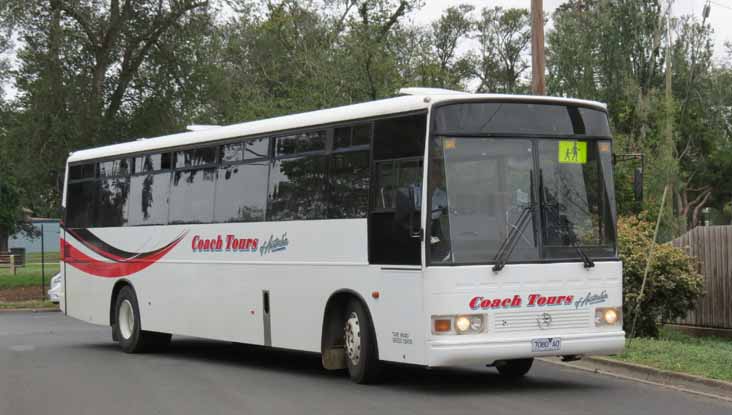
(217, 293)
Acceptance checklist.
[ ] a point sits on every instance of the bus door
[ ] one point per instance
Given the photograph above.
(396, 234)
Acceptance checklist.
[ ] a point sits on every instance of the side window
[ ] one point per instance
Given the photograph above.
(400, 137)
(149, 190)
(298, 143)
(393, 179)
(349, 184)
(111, 201)
(297, 189)
(297, 177)
(80, 204)
(81, 171)
(193, 186)
(195, 157)
(113, 168)
(241, 182)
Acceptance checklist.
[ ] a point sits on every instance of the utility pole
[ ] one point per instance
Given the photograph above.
(537, 48)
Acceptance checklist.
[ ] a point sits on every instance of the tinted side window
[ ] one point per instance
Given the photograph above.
(241, 192)
(80, 204)
(297, 189)
(230, 153)
(297, 143)
(113, 168)
(81, 171)
(152, 162)
(257, 148)
(111, 202)
(349, 184)
(191, 196)
(149, 199)
(344, 137)
(400, 137)
(195, 157)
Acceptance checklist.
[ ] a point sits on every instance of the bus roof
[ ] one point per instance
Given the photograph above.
(415, 99)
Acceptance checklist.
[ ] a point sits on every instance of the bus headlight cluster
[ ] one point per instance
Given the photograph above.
(463, 324)
(608, 316)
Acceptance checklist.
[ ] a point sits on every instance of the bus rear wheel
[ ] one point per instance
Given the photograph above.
(127, 328)
(515, 368)
(362, 357)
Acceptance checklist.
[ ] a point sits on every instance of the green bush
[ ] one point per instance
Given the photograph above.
(673, 284)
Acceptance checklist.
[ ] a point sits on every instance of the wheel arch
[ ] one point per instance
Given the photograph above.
(331, 346)
(113, 298)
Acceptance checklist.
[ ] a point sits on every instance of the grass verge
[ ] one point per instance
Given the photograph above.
(26, 276)
(30, 304)
(709, 357)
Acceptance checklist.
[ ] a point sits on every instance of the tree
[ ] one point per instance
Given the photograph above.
(10, 213)
(504, 37)
(85, 71)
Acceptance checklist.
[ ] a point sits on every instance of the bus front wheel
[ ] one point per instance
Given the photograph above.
(514, 368)
(127, 329)
(362, 357)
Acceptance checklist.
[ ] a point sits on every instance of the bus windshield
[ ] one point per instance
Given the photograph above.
(480, 186)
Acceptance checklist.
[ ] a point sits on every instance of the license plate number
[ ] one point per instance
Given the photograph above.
(550, 344)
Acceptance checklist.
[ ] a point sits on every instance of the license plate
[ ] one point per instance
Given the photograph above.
(549, 344)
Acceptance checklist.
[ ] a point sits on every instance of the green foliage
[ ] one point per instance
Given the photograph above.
(503, 36)
(10, 212)
(673, 285)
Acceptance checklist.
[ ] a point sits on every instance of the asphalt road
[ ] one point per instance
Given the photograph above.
(51, 364)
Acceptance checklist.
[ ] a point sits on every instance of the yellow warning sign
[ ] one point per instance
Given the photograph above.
(573, 152)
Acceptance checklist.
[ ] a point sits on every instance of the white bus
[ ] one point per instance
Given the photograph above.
(307, 232)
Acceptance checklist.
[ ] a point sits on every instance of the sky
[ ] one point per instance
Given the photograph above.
(719, 17)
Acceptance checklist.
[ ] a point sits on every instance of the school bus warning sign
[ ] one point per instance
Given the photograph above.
(573, 152)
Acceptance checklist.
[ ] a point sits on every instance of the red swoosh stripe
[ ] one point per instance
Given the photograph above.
(117, 269)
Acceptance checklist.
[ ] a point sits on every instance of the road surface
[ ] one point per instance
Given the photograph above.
(52, 364)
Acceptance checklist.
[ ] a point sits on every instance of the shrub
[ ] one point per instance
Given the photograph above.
(673, 284)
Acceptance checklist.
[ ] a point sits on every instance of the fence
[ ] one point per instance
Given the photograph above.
(8, 260)
(712, 246)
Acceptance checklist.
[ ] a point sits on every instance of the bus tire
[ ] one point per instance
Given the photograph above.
(126, 327)
(515, 368)
(362, 356)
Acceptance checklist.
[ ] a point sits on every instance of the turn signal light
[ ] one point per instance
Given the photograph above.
(442, 326)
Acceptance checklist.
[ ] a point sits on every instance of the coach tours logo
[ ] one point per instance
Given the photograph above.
(274, 244)
(232, 243)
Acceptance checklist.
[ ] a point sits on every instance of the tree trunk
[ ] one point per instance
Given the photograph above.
(4, 240)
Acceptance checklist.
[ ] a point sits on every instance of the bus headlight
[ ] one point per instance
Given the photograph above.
(608, 316)
(468, 324)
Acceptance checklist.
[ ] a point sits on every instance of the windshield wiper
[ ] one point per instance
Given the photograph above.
(509, 243)
(589, 263)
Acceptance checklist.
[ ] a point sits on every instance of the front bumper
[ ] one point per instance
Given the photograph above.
(457, 351)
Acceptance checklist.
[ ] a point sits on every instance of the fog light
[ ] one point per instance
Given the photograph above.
(611, 316)
(607, 316)
(462, 324)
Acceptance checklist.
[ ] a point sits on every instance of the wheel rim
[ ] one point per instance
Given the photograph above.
(126, 319)
(353, 339)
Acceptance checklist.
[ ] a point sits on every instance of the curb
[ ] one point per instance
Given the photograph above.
(30, 310)
(697, 385)
(667, 374)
